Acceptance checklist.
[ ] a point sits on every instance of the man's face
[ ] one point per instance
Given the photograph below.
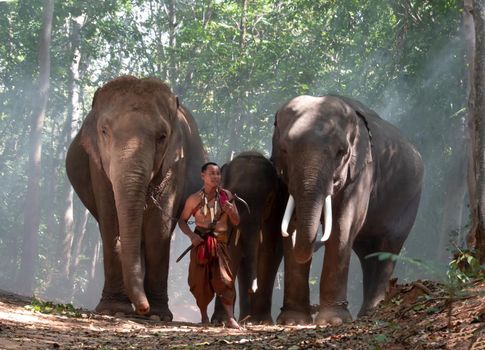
(212, 176)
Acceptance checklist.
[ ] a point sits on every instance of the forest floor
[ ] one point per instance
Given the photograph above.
(420, 315)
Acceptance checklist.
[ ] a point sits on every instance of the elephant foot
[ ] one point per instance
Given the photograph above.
(333, 315)
(292, 318)
(162, 311)
(366, 310)
(109, 305)
(218, 318)
(264, 318)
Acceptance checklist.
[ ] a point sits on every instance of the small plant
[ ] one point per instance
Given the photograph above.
(465, 268)
(381, 256)
(48, 307)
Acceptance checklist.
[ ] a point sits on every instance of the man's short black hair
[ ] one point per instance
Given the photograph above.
(204, 167)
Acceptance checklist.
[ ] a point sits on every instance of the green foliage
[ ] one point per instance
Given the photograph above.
(48, 307)
(381, 256)
(405, 59)
(465, 268)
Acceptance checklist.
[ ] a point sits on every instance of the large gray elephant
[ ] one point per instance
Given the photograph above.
(355, 174)
(256, 243)
(133, 163)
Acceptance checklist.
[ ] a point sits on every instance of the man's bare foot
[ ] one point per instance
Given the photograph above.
(232, 323)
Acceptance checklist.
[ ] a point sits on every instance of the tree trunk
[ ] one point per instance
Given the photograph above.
(239, 113)
(451, 224)
(172, 42)
(78, 243)
(61, 285)
(155, 11)
(469, 27)
(29, 258)
(94, 275)
(479, 118)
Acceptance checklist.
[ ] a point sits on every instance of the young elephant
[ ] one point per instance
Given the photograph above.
(355, 174)
(133, 163)
(256, 243)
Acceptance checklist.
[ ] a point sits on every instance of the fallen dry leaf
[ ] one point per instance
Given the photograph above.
(413, 323)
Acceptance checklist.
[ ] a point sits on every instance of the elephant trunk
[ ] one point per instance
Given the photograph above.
(308, 211)
(309, 204)
(130, 178)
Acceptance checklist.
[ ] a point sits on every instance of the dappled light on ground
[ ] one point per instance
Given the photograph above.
(419, 315)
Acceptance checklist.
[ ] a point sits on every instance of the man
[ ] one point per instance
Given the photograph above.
(209, 268)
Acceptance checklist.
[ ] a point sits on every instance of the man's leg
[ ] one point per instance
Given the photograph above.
(199, 284)
(222, 281)
(231, 321)
(203, 312)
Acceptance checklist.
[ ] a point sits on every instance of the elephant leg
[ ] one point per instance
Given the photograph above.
(219, 314)
(296, 300)
(247, 275)
(376, 274)
(269, 259)
(114, 298)
(370, 268)
(156, 247)
(244, 281)
(333, 284)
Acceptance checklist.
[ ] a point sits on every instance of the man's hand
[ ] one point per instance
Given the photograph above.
(228, 208)
(196, 239)
(231, 210)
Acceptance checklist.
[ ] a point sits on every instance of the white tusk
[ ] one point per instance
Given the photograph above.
(254, 286)
(237, 238)
(328, 218)
(290, 206)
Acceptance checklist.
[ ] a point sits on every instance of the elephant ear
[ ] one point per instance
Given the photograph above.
(361, 152)
(274, 158)
(174, 151)
(89, 134)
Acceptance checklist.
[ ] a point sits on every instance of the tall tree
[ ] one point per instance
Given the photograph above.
(60, 281)
(239, 112)
(29, 257)
(477, 109)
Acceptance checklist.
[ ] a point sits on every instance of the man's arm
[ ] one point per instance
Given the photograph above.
(184, 226)
(230, 209)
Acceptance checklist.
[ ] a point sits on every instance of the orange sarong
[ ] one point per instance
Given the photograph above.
(210, 270)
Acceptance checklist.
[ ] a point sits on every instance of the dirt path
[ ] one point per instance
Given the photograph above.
(415, 316)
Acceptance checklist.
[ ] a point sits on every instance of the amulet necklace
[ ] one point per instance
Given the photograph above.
(206, 208)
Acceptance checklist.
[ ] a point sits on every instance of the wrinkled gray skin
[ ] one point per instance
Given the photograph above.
(259, 250)
(335, 145)
(135, 142)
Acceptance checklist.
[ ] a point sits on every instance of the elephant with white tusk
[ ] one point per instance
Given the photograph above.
(133, 164)
(354, 174)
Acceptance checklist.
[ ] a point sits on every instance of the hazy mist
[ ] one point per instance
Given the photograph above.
(431, 129)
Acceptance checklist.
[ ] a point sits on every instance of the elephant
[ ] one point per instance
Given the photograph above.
(255, 247)
(133, 163)
(354, 175)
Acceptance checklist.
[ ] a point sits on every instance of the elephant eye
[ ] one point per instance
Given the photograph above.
(161, 138)
(340, 153)
(104, 130)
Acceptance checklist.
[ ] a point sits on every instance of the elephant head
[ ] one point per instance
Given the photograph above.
(132, 136)
(320, 144)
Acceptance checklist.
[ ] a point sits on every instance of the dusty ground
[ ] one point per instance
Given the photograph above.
(415, 316)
